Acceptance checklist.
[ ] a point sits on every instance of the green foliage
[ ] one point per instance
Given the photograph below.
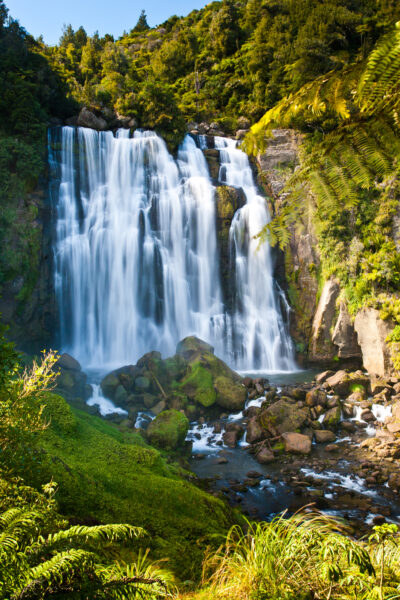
(39, 557)
(21, 410)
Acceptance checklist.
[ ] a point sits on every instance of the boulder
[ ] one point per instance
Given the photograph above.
(191, 347)
(71, 382)
(372, 332)
(230, 394)
(316, 397)
(198, 385)
(296, 443)
(344, 335)
(255, 433)
(265, 456)
(87, 118)
(282, 416)
(66, 361)
(212, 157)
(321, 346)
(332, 417)
(168, 430)
(343, 383)
(322, 436)
(322, 377)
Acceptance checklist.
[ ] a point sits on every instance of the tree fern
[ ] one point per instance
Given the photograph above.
(71, 562)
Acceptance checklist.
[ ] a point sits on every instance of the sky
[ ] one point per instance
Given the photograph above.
(47, 17)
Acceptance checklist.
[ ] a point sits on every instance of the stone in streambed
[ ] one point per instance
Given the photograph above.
(322, 436)
(296, 443)
(282, 416)
(255, 433)
(265, 456)
(168, 430)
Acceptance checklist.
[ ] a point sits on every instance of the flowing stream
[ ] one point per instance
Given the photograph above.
(136, 254)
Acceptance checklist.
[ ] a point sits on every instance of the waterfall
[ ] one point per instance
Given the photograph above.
(136, 255)
(257, 330)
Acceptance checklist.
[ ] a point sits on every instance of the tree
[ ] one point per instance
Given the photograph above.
(142, 24)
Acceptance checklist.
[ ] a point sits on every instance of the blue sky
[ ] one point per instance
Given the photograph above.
(46, 17)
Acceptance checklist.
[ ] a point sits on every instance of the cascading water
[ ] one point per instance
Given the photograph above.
(257, 332)
(136, 256)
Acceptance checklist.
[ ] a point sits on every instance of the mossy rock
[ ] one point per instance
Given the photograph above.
(282, 417)
(109, 385)
(230, 394)
(168, 430)
(198, 385)
(332, 417)
(191, 347)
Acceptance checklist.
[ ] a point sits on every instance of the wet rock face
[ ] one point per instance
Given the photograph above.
(344, 336)
(228, 201)
(372, 332)
(322, 348)
(87, 118)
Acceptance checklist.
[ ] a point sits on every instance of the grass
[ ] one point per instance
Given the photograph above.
(107, 476)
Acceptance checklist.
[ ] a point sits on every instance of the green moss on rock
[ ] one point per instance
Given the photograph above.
(168, 430)
(198, 385)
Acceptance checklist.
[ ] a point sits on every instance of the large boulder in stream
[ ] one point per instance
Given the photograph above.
(194, 380)
(283, 416)
(168, 430)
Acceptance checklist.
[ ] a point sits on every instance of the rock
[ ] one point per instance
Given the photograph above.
(228, 200)
(255, 433)
(315, 397)
(71, 382)
(297, 443)
(332, 448)
(212, 157)
(344, 335)
(254, 475)
(265, 456)
(282, 416)
(66, 361)
(230, 394)
(332, 417)
(348, 426)
(372, 332)
(248, 382)
(394, 481)
(243, 123)
(322, 377)
(343, 383)
(142, 384)
(377, 385)
(168, 430)
(198, 385)
(191, 347)
(120, 396)
(231, 438)
(323, 436)
(87, 118)
(321, 346)
(159, 407)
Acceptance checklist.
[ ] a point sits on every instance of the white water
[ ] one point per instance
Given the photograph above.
(106, 407)
(257, 332)
(136, 257)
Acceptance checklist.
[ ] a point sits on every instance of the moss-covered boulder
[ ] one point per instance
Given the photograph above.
(231, 395)
(191, 347)
(198, 385)
(168, 430)
(332, 417)
(283, 416)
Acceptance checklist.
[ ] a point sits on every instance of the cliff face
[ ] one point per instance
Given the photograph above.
(27, 302)
(321, 326)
